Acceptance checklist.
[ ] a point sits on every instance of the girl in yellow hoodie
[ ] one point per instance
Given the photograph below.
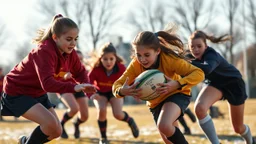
(163, 51)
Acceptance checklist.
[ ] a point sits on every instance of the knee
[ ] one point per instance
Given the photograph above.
(239, 129)
(102, 111)
(118, 116)
(200, 110)
(165, 129)
(58, 131)
(84, 117)
(54, 127)
(73, 110)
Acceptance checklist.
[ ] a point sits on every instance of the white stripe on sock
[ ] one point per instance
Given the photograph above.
(246, 130)
(204, 120)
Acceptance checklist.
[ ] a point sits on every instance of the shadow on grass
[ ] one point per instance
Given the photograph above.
(221, 137)
(111, 141)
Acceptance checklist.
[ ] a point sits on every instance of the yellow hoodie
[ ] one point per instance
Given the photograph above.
(173, 67)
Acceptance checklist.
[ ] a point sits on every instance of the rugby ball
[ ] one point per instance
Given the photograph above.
(148, 81)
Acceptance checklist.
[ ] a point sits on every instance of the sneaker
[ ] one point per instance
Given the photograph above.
(77, 131)
(64, 133)
(187, 132)
(103, 141)
(134, 128)
(22, 140)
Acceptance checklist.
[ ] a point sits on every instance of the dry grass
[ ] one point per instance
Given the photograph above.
(118, 132)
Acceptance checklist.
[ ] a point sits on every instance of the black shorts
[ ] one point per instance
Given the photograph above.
(180, 99)
(234, 91)
(77, 94)
(108, 95)
(18, 105)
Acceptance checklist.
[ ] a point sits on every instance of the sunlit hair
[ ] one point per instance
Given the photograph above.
(166, 40)
(59, 25)
(200, 34)
(107, 48)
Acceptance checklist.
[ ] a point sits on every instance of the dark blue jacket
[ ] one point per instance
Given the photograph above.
(216, 68)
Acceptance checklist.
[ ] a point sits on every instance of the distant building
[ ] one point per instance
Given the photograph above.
(123, 49)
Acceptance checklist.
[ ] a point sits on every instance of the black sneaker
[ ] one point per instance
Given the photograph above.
(103, 141)
(64, 133)
(22, 140)
(134, 128)
(77, 131)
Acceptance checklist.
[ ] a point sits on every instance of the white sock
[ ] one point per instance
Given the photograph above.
(209, 130)
(247, 136)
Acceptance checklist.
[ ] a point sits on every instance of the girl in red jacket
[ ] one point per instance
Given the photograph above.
(26, 85)
(76, 103)
(107, 69)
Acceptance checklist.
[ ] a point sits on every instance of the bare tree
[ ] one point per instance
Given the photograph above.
(232, 7)
(149, 16)
(3, 34)
(100, 18)
(251, 19)
(93, 17)
(193, 15)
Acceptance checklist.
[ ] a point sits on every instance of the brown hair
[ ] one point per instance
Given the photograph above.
(166, 40)
(58, 26)
(107, 48)
(200, 34)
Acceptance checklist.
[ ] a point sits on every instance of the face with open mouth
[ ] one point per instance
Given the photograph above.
(67, 41)
(146, 56)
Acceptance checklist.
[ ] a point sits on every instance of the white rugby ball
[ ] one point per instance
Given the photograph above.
(148, 81)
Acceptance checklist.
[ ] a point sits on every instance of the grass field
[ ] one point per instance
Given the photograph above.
(119, 132)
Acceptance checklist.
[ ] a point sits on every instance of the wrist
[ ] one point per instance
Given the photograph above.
(119, 92)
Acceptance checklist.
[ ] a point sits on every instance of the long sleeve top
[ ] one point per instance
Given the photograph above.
(173, 67)
(41, 71)
(216, 68)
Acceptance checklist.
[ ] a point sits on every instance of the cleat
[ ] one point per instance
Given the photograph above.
(64, 133)
(134, 128)
(77, 131)
(103, 141)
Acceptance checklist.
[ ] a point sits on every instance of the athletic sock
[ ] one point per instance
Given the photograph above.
(126, 117)
(177, 137)
(207, 126)
(76, 125)
(247, 136)
(65, 118)
(36, 137)
(78, 121)
(103, 128)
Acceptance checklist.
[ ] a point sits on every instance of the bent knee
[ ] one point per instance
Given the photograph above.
(119, 116)
(73, 111)
(239, 129)
(166, 129)
(200, 110)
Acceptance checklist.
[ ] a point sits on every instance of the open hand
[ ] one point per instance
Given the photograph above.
(130, 90)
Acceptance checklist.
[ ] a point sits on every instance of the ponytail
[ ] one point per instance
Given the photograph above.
(58, 26)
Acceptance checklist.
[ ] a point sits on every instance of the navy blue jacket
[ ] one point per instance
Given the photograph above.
(216, 69)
